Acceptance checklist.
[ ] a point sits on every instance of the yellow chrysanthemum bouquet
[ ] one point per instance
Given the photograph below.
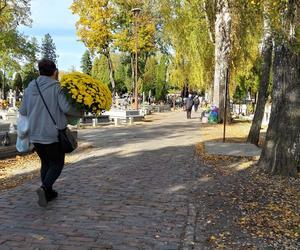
(86, 93)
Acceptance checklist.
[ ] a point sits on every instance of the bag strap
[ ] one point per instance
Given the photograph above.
(45, 103)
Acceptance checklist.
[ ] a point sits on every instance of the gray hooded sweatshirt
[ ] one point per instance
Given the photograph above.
(41, 128)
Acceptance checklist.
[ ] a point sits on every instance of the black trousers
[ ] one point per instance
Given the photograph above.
(52, 163)
(196, 107)
(188, 113)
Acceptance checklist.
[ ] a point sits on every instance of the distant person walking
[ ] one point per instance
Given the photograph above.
(189, 105)
(196, 103)
(42, 132)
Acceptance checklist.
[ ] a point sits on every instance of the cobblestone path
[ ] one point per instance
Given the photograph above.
(132, 191)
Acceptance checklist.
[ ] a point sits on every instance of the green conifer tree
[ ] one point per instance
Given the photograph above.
(86, 63)
(48, 49)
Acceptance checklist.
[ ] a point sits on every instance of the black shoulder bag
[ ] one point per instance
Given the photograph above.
(66, 139)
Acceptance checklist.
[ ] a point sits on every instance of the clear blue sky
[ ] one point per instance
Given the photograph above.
(55, 18)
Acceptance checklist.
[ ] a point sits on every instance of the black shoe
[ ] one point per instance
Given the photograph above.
(51, 195)
(42, 197)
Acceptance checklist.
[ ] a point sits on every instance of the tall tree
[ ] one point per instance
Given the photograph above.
(86, 63)
(18, 84)
(124, 71)
(105, 25)
(222, 53)
(29, 73)
(48, 49)
(100, 69)
(184, 29)
(136, 33)
(14, 47)
(95, 28)
(150, 75)
(161, 78)
(14, 13)
(190, 28)
(281, 151)
(122, 78)
(266, 55)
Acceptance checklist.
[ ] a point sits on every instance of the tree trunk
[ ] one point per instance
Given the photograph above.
(281, 152)
(111, 73)
(222, 53)
(267, 48)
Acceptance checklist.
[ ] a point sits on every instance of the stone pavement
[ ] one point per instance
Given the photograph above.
(132, 191)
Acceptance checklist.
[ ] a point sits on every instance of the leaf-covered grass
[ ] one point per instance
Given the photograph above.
(267, 207)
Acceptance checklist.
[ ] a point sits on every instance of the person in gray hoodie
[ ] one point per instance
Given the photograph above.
(42, 131)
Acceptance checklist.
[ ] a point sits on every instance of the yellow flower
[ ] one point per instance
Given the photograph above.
(87, 91)
(74, 92)
(88, 101)
(81, 88)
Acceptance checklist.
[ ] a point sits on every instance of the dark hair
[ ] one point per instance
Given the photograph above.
(46, 67)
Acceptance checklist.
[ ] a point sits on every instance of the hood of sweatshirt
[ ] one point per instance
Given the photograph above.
(44, 83)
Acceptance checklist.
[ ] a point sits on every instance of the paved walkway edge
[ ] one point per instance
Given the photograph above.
(189, 234)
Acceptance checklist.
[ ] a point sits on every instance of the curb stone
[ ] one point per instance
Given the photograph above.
(189, 234)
